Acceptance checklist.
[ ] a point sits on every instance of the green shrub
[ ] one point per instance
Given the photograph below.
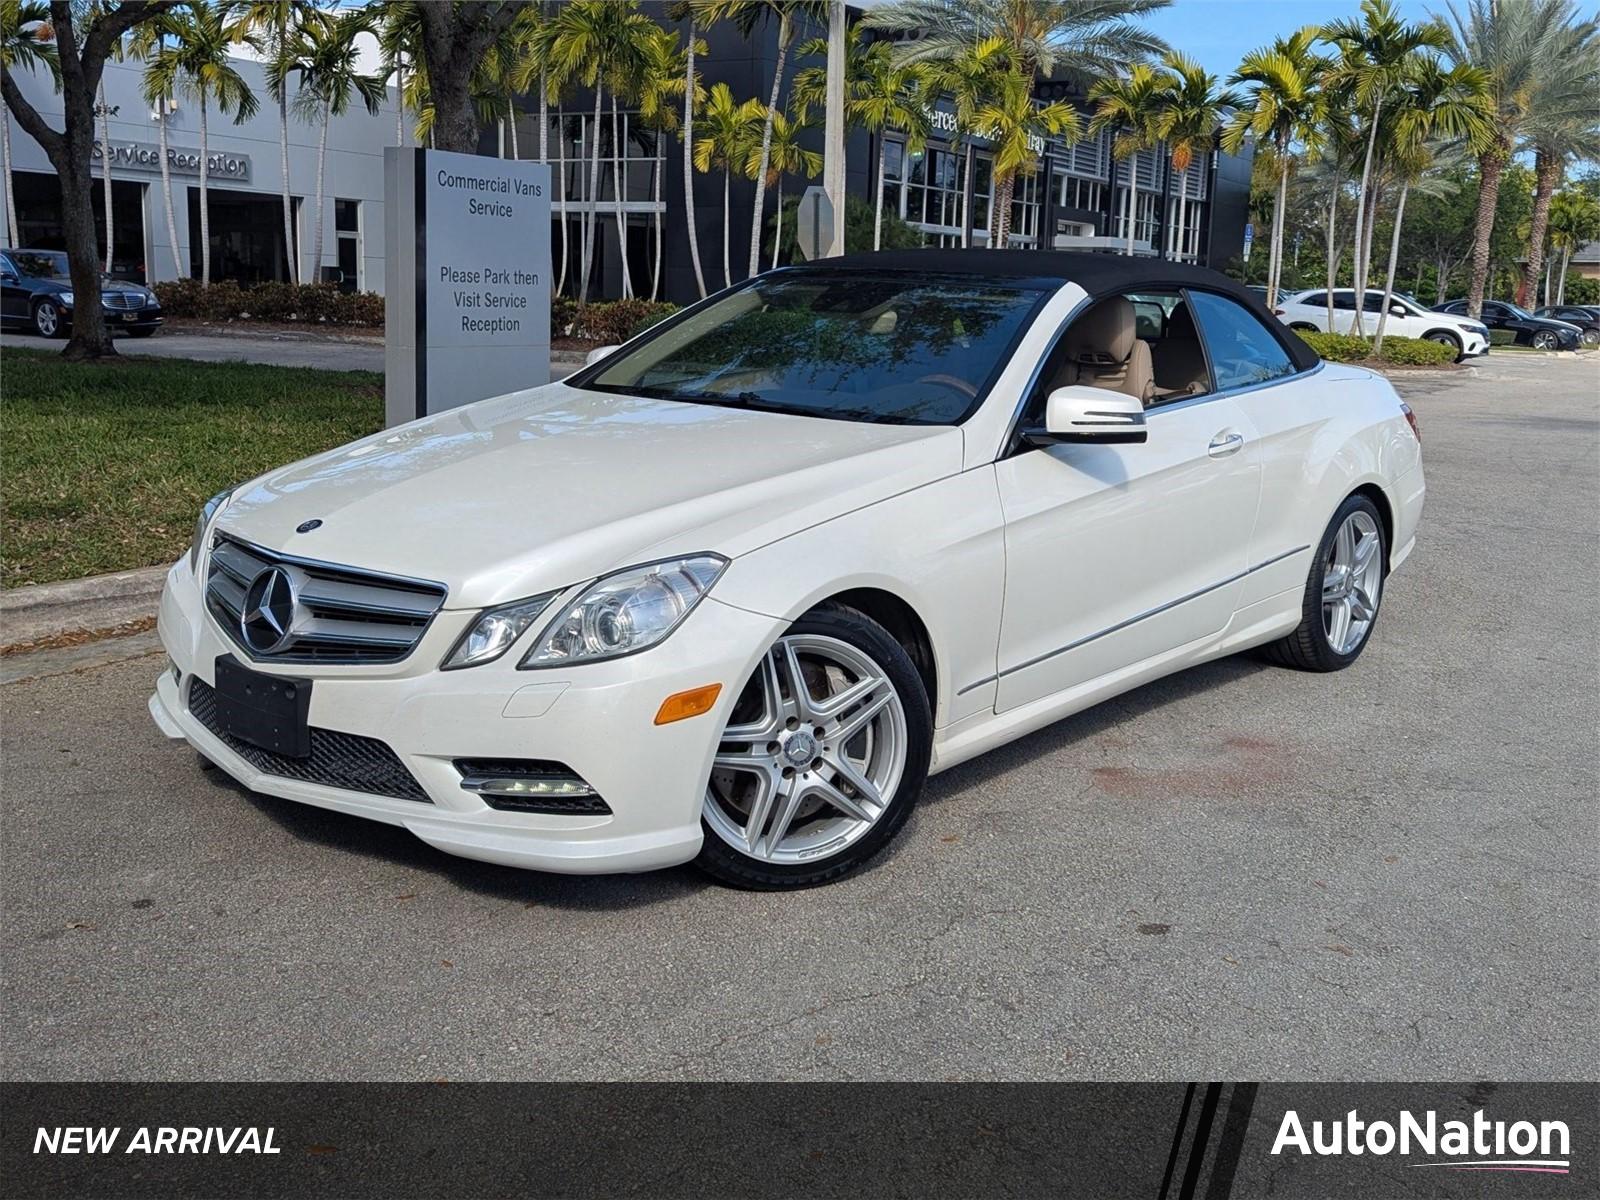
(563, 312)
(618, 320)
(1397, 351)
(314, 303)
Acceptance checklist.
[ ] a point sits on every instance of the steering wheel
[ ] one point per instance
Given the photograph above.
(954, 382)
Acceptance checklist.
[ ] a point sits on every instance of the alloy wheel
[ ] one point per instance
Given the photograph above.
(1351, 581)
(812, 755)
(1544, 341)
(1591, 337)
(47, 319)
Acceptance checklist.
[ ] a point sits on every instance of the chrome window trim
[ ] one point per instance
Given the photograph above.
(1134, 620)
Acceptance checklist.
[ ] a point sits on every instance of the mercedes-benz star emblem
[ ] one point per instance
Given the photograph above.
(268, 610)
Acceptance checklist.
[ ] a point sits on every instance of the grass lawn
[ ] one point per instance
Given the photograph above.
(104, 466)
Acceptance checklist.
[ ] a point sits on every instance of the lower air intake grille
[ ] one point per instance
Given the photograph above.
(337, 760)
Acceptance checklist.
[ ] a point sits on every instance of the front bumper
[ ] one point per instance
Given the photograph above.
(597, 719)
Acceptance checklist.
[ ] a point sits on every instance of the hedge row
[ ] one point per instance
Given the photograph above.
(325, 304)
(1397, 351)
(317, 303)
(606, 322)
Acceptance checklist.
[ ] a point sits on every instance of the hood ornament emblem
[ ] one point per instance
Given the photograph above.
(267, 615)
(308, 526)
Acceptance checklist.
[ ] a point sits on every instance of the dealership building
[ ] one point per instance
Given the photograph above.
(1076, 199)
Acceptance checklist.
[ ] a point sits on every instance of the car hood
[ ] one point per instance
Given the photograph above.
(552, 486)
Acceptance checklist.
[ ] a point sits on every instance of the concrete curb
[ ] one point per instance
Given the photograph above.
(100, 602)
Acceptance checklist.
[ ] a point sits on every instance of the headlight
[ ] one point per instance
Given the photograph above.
(495, 631)
(208, 511)
(627, 611)
(65, 299)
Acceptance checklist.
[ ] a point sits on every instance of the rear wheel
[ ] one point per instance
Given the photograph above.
(1545, 340)
(47, 319)
(1343, 591)
(1591, 338)
(824, 755)
(1303, 327)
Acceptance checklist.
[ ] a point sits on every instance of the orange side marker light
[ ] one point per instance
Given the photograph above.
(683, 705)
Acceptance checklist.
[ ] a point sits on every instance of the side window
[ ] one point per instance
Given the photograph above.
(1243, 351)
(1316, 300)
(1344, 301)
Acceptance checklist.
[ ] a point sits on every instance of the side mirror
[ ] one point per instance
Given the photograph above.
(7, 277)
(1079, 414)
(597, 354)
(1399, 310)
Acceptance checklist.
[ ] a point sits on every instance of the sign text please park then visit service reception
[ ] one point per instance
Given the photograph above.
(468, 299)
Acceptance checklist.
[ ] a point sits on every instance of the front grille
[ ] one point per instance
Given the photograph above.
(496, 781)
(120, 300)
(341, 614)
(338, 760)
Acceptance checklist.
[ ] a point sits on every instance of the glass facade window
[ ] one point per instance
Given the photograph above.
(1144, 229)
(1073, 192)
(1025, 210)
(931, 188)
(571, 145)
(347, 230)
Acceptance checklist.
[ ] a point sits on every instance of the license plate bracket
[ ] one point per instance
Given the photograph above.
(268, 711)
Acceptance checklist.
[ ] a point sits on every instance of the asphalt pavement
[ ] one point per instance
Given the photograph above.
(1241, 872)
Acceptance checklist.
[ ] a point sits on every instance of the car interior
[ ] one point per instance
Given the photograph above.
(1143, 345)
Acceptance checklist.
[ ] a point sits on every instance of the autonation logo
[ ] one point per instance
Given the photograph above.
(1476, 1145)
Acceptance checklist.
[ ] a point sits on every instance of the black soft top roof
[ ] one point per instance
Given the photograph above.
(1097, 274)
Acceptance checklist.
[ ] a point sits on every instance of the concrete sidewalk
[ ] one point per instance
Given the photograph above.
(284, 350)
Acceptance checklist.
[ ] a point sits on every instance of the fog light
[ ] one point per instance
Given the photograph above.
(683, 705)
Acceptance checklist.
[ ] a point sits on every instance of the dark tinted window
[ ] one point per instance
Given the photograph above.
(1344, 301)
(1243, 350)
(42, 264)
(1316, 299)
(905, 349)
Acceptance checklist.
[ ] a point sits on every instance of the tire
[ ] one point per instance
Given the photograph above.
(1303, 327)
(1545, 340)
(1446, 339)
(772, 769)
(1311, 647)
(48, 321)
(1591, 338)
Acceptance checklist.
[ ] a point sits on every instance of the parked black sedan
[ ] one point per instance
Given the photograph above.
(1586, 319)
(1539, 332)
(36, 294)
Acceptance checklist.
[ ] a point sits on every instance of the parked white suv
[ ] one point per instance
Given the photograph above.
(1407, 318)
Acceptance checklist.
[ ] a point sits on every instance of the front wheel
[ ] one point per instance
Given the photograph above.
(47, 319)
(1445, 339)
(825, 752)
(1591, 338)
(1343, 591)
(1545, 340)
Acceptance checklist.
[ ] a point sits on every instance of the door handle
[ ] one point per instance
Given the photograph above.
(1224, 444)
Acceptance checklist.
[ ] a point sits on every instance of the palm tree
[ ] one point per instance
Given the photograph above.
(1284, 105)
(274, 24)
(881, 93)
(1563, 126)
(627, 66)
(787, 157)
(25, 44)
(746, 15)
(398, 24)
(1574, 220)
(1375, 53)
(1432, 103)
(325, 55)
(971, 80)
(1340, 148)
(663, 81)
(1129, 107)
(1013, 122)
(1510, 42)
(698, 16)
(148, 42)
(1083, 38)
(196, 62)
(728, 130)
(1187, 121)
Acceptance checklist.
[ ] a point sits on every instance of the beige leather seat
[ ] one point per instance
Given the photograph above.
(1180, 363)
(1103, 350)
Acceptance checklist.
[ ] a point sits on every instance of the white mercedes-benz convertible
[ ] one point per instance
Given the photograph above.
(730, 593)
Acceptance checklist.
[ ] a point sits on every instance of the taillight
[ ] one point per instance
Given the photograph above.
(1411, 420)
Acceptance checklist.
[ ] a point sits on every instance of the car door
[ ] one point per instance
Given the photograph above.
(13, 296)
(1118, 553)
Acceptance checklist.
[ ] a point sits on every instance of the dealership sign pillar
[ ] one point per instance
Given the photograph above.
(467, 303)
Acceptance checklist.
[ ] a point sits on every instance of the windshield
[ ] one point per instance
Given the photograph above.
(1515, 311)
(851, 345)
(42, 264)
